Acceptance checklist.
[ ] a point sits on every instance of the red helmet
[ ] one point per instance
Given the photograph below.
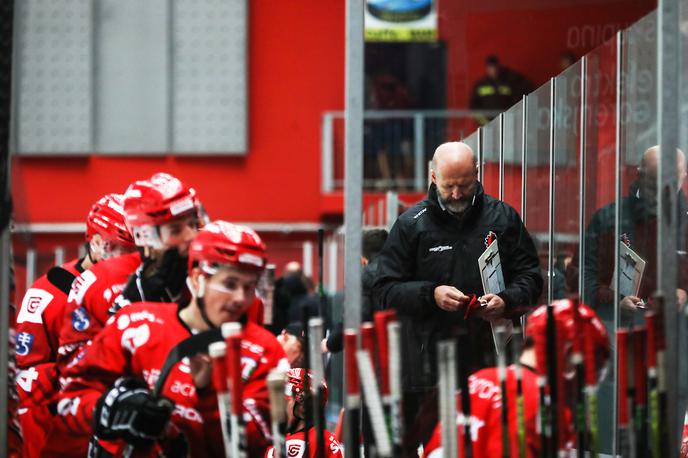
(221, 242)
(159, 200)
(294, 386)
(107, 219)
(586, 325)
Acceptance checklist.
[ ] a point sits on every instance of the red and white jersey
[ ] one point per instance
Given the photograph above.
(92, 294)
(135, 343)
(296, 445)
(486, 411)
(36, 343)
(684, 440)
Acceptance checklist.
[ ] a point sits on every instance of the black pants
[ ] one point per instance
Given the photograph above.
(420, 419)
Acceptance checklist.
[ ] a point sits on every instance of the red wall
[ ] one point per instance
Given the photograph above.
(296, 70)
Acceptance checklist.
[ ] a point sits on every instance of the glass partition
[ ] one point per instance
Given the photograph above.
(566, 178)
(597, 263)
(537, 183)
(513, 156)
(490, 157)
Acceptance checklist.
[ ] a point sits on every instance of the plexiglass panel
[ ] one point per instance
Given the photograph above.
(513, 156)
(490, 157)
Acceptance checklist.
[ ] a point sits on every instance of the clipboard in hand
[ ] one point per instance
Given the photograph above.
(490, 266)
(632, 267)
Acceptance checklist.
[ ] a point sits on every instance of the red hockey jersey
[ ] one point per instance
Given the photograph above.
(486, 411)
(36, 344)
(92, 294)
(135, 342)
(296, 448)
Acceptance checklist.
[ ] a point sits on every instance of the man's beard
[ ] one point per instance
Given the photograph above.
(457, 207)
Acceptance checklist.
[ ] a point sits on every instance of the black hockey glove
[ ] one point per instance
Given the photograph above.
(130, 412)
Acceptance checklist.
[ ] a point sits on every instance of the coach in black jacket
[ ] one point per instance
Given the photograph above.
(429, 266)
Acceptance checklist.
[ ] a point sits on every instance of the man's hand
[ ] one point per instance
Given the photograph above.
(630, 303)
(494, 308)
(449, 298)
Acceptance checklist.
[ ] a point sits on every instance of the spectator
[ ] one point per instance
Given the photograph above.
(428, 270)
(498, 90)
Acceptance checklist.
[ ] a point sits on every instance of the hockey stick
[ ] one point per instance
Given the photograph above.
(577, 359)
(516, 348)
(446, 362)
(500, 332)
(315, 327)
(373, 404)
(591, 394)
(308, 407)
(368, 344)
(237, 428)
(278, 411)
(353, 394)
(218, 353)
(650, 317)
(640, 394)
(464, 351)
(192, 345)
(382, 320)
(396, 425)
(622, 391)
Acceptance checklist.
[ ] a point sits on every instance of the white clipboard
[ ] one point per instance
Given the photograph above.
(632, 267)
(490, 266)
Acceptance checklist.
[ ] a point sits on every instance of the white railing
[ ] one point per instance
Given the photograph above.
(417, 134)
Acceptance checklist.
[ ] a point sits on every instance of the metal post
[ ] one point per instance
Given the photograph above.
(552, 168)
(353, 179)
(617, 226)
(501, 156)
(30, 267)
(392, 208)
(327, 148)
(418, 148)
(581, 184)
(668, 58)
(481, 161)
(332, 265)
(524, 157)
(446, 359)
(307, 258)
(59, 255)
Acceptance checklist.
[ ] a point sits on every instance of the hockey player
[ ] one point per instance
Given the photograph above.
(484, 386)
(296, 424)
(41, 314)
(162, 214)
(225, 262)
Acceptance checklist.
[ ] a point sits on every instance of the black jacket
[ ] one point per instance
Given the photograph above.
(428, 247)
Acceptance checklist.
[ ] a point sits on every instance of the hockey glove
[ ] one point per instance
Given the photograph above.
(130, 412)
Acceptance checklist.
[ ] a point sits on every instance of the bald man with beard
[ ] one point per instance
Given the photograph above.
(428, 272)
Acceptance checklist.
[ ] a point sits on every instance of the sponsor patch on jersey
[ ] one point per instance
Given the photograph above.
(32, 307)
(295, 448)
(489, 238)
(440, 248)
(80, 286)
(24, 343)
(133, 338)
(80, 319)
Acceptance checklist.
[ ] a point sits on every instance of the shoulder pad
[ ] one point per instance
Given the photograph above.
(61, 278)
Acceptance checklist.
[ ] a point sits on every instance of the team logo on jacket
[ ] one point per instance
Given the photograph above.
(489, 238)
(295, 448)
(24, 343)
(80, 319)
(35, 302)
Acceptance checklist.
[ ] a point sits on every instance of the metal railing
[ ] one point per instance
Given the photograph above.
(420, 131)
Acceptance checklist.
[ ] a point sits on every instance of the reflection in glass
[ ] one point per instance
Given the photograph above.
(490, 158)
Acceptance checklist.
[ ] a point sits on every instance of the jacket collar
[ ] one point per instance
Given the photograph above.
(433, 200)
